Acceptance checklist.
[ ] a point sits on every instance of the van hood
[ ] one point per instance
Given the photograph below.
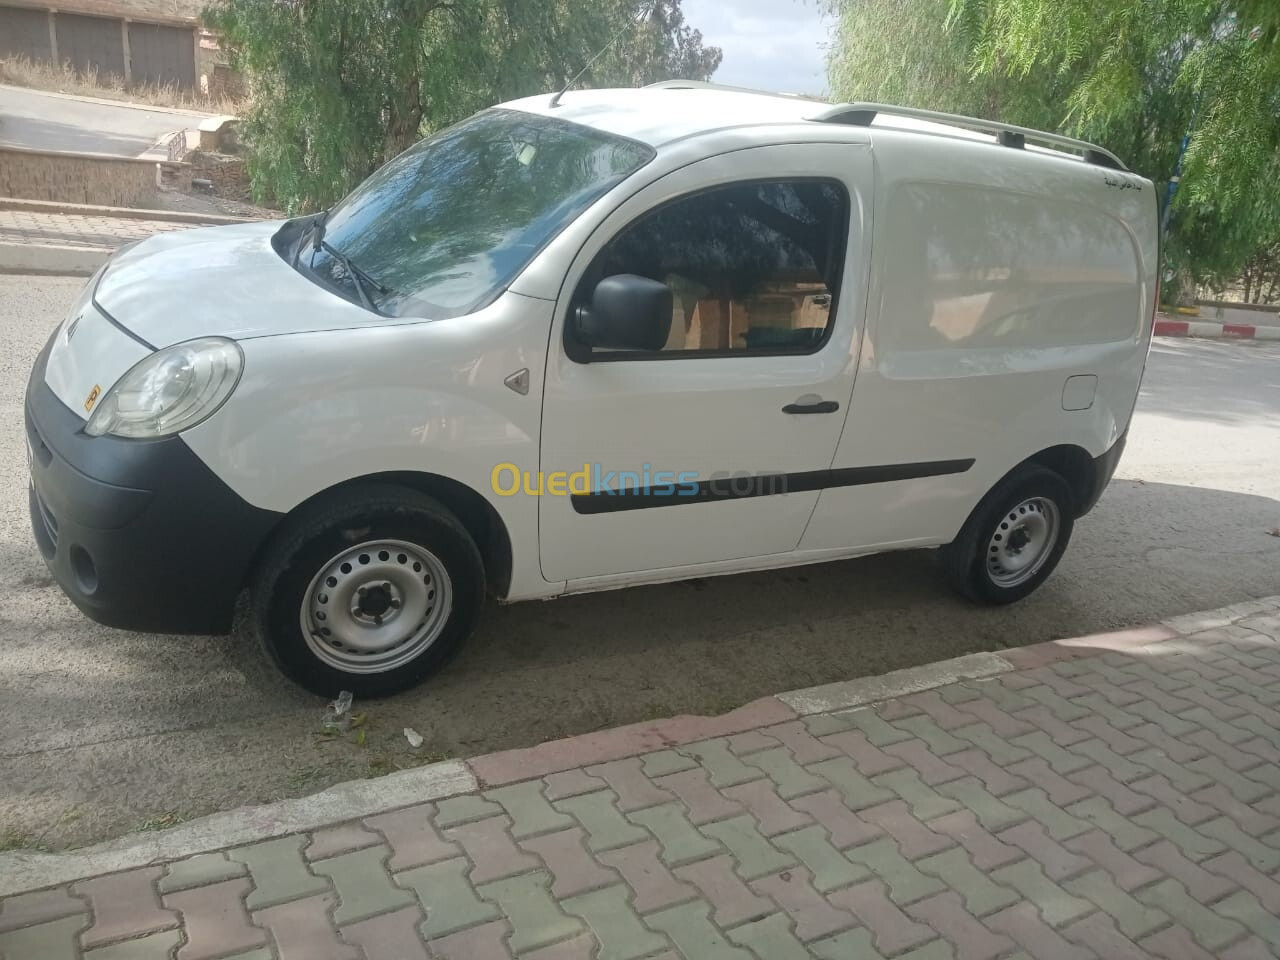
(219, 281)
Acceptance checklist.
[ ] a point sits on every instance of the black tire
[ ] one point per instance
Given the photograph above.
(965, 561)
(322, 531)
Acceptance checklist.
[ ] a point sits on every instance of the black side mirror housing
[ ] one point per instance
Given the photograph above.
(627, 312)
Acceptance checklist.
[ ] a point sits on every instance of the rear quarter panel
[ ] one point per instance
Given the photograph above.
(996, 275)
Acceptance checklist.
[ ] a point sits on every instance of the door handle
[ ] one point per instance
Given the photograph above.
(811, 404)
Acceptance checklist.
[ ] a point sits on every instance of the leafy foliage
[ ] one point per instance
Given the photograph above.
(340, 86)
(1135, 75)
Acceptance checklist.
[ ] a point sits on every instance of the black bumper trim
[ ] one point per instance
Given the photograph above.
(140, 534)
(1104, 468)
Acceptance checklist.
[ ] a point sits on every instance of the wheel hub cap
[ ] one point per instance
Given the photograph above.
(376, 606)
(1022, 542)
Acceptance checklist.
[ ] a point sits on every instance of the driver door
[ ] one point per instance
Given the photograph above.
(763, 252)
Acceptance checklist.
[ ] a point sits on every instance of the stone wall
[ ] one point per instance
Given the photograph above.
(81, 177)
(227, 173)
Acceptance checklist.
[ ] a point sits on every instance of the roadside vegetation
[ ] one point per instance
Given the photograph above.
(341, 86)
(62, 78)
(1137, 76)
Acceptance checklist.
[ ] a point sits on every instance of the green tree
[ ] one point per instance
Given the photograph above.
(341, 86)
(1134, 75)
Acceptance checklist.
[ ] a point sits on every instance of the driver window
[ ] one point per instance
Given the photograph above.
(753, 267)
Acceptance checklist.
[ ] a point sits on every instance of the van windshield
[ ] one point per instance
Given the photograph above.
(443, 228)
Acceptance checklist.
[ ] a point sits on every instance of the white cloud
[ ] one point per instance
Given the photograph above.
(768, 44)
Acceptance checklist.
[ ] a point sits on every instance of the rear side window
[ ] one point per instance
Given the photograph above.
(753, 267)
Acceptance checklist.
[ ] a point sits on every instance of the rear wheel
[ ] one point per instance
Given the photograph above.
(369, 593)
(1013, 539)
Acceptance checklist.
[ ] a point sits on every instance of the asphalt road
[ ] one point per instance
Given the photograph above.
(41, 121)
(103, 732)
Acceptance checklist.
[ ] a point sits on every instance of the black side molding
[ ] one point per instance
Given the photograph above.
(762, 485)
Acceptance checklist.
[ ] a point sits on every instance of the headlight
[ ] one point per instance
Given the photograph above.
(169, 391)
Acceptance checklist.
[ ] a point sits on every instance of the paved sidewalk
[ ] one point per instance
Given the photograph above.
(1113, 797)
(73, 230)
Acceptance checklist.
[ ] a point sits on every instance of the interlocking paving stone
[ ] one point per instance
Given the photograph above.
(1246, 789)
(1191, 842)
(661, 763)
(924, 801)
(804, 747)
(485, 942)
(653, 884)
(954, 868)
(302, 931)
(1059, 824)
(535, 917)
(489, 846)
(969, 939)
(845, 827)
(722, 766)
(627, 779)
(1112, 733)
(1179, 804)
(693, 933)
(813, 915)
(754, 855)
(606, 827)
(1055, 904)
(857, 790)
(457, 810)
(876, 729)
(1022, 924)
(1170, 861)
(1128, 836)
(124, 905)
(914, 839)
(891, 929)
(51, 940)
(883, 858)
(1210, 929)
(992, 813)
(679, 840)
(154, 946)
(1122, 768)
(986, 851)
(413, 839)
(1134, 919)
(995, 778)
(849, 945)
(364, 887)
(1097, 932)
(770, 937)
(760, 799)
(939, 741)
(613, 921)
(702, 801)
(866, 756)
(1175, 943)
(529, 810)
(449, 900)
(1262, 855)
(791, 779)
(572, 783)
(1245, 908)
(732, 900)
(582, 947)
(1128, 873)
(389, 936)
(1123, 800)
(195, 871)
(1182, 776)
(278, 870)
(565, 854)
(830, 870)
(1060, 790)
(932, 769)
(1233, 866)
(1058, 862)
(215, 920)
(750, 741)
(26, 909)
(343, 838)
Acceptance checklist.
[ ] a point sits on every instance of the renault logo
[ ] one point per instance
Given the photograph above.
(92, 398)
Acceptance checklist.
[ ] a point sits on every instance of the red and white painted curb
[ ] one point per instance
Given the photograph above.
(1168, 327)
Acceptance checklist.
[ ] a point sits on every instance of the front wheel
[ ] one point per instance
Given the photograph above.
(370, 593)
(1013, 539)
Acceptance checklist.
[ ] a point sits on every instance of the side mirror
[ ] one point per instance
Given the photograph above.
(626, 312)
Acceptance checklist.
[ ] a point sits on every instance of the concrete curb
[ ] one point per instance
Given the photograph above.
(106, 101)
(50, 260)
(128, 213)
(1213, 329)
(21, 872)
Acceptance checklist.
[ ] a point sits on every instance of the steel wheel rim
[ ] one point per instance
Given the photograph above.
(1022, 542)
(376, 606)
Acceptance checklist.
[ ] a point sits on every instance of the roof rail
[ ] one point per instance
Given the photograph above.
(861, 115)
(706, 85)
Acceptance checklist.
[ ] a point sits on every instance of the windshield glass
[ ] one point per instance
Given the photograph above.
(444, 227)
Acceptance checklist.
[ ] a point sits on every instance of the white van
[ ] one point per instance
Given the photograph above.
(625, 337)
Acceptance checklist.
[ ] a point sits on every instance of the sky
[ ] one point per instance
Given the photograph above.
(768, 44)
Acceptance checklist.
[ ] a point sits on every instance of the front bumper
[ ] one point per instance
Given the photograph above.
(140, 534)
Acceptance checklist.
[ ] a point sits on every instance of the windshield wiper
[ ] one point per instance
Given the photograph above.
(317, 224)
(359, 279)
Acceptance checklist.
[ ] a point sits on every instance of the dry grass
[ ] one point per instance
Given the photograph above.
(61, 78)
